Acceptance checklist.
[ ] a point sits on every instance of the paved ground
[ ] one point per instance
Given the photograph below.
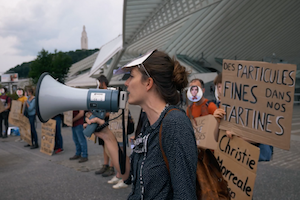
(29, 174)
(280, 178)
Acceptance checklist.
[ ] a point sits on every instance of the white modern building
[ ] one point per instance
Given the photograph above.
(201, 33)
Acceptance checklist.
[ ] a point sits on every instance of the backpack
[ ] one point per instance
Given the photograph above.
(210, 184)
(266, 152)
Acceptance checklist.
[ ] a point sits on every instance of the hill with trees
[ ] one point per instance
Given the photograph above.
(75, 56)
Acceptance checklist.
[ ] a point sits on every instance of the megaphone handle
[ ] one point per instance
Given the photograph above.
(91, 128)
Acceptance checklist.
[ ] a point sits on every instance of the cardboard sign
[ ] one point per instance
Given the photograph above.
(116, 125)
(93, 138)
(15, 110)
(238, 162)
(48, 137)
(258, 100)
(25, 130)
(68, 118)
(206, 130)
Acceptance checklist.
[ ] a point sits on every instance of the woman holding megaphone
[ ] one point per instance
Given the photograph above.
(154, 82)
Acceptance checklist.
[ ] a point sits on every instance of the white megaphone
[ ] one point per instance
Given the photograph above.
(53, 98)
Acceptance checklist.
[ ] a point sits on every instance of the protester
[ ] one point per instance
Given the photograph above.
(22, 98)
(154, 84)
(107, 168)
(58, 147)
(6, 100)
(117, 180)
(30, 107)
(203, 106)
(78, 137)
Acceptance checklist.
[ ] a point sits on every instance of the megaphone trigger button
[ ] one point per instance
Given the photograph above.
(93, 105)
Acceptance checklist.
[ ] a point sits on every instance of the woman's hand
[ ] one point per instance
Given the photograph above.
(230, 134)
(104, 133)
(219, 114)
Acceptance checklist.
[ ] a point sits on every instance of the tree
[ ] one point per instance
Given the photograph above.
(24, 68)
(57, 65)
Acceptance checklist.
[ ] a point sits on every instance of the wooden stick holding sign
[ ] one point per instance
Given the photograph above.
(258, 100)
(48, 137)
(238, 161)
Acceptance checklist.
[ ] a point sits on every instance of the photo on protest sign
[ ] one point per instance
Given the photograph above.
(194, 93)
(238, 162)
(48, 137)
(258, 100)
(68, 118)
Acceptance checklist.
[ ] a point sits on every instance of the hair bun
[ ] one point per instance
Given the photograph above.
(180, 76)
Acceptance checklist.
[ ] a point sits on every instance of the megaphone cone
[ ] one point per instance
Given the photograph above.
(53, 98)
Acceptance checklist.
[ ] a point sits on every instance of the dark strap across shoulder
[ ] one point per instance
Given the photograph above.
(160, 140)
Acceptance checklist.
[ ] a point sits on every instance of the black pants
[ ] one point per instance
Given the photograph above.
(4, 116)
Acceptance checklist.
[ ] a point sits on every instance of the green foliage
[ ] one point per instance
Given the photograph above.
(80, 54)
(23, 70)
(13, 96)
(57, 65)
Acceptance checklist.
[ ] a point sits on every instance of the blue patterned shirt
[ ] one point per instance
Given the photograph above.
(149, 174)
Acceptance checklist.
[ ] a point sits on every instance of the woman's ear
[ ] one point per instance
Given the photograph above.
(149, 83)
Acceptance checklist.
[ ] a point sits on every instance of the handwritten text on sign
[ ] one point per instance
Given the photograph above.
(238, 162)
(48, 137)
(258, 100)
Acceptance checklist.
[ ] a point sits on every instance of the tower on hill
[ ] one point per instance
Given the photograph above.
(84, 39)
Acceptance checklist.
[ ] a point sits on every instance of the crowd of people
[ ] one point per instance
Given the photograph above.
(156, 84)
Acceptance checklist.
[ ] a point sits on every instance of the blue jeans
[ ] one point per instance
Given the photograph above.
(34, 137)
(80, 141)
(58, 137)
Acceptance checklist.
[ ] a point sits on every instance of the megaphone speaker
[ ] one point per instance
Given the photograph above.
(53, 98)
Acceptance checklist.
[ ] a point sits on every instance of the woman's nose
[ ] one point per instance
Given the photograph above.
(126, 82)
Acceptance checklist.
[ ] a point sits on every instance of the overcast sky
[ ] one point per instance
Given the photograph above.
(27, 26)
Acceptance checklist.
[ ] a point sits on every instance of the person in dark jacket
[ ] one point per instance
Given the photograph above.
(154, 82)
(6, 100)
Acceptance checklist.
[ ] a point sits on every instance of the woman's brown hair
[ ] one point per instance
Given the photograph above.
(168, 75)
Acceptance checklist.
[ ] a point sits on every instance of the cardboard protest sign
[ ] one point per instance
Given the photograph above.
(258, 100)
(15, 110)
(238, 162)
(25, 130)
(17, 119)
(206, 130)
(48, 137)
(116, 125)
(68, 118)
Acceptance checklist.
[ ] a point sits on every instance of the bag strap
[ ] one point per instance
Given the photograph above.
(160, 140)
